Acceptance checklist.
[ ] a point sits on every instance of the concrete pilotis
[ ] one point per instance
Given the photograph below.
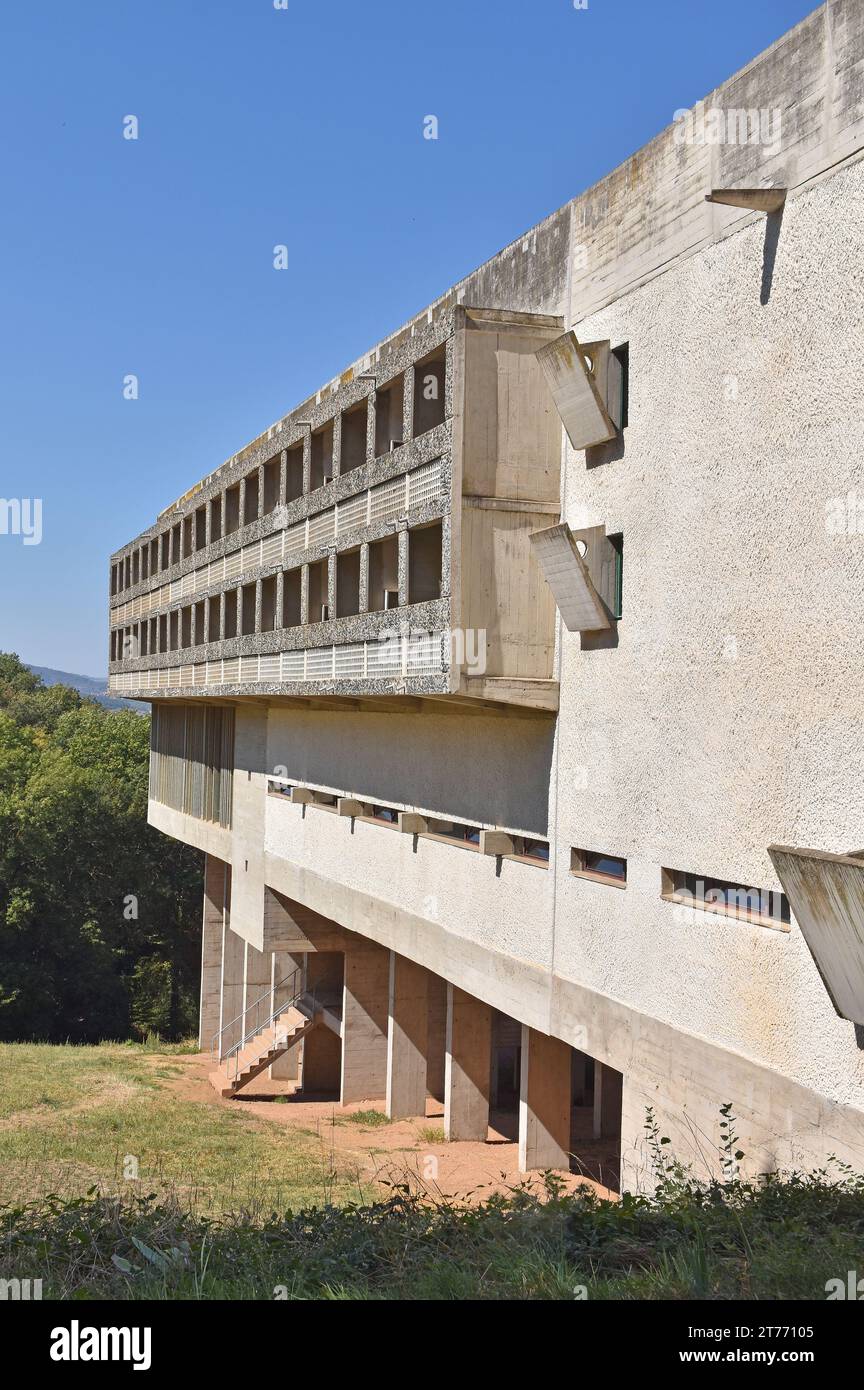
(365, 1001)
(407, 1038)
(544, 1102)
(211, 951)
(468, 1064)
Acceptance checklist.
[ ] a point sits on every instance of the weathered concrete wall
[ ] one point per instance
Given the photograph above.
(727, 717)
(492, 768)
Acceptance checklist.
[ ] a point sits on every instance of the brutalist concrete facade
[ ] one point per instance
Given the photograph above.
(716, 720)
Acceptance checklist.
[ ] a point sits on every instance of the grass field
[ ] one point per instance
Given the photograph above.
(72, 1118)
(227, 1207)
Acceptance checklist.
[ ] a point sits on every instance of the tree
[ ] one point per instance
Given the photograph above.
(98, 911)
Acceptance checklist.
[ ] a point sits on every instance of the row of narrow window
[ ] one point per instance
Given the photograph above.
(185, 627)
(721, 896)
(266, 489)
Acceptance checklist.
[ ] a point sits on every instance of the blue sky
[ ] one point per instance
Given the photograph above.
(261, 126)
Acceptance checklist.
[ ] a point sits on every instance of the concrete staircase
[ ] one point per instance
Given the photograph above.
(277, 1037)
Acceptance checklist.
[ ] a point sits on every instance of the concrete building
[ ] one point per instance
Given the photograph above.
(496, 680)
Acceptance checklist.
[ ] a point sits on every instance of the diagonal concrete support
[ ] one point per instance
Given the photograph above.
(544, 1102)
(468, 1066)
(407, 1038)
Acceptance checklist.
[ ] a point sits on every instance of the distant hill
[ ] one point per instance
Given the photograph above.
(96, 687)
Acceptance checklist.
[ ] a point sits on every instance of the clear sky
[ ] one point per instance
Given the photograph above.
(260, 126)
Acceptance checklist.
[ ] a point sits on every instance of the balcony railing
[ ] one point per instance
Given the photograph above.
(384, 502)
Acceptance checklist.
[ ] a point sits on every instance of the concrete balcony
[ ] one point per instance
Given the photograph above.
(375, 543)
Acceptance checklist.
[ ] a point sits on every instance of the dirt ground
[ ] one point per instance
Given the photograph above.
(412, 1151)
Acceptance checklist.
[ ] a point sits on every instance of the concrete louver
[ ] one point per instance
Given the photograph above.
(753, 199)
(826, 895)
(575, 391)
(567, 575)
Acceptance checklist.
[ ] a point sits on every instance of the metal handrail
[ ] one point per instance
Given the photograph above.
(269, 994)
(232, 1056)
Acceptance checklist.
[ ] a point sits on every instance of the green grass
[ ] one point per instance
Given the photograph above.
(74, 1118)
(229, 1206)
(367, 1119)
(774, 1240)
(433, 1134)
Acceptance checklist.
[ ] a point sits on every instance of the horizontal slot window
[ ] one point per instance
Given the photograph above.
(275, 788)
(599, 866)
(457, 832)
(533, 851)
(763, 906)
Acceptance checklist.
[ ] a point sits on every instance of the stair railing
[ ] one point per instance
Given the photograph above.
(262, 1007)
(305, 1001)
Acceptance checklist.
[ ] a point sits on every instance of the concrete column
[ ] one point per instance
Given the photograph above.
(403, 543)
(608, 1087)
(468, 1066)
(211, 951)
(241, 506)
(322, 1054)
(283, 478)
(407, 1038)
(544, 1102)
(221, 634)
(331, 583)
(304, 595)
(436, 1037)
(307, 461)
(256, 982)
(337, 445)
(279, 612)
(365, 1008)
(258, 604)
(408, 406)
(233, 960)
(364, 578)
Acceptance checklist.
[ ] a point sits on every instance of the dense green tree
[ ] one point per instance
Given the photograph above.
(98, 911)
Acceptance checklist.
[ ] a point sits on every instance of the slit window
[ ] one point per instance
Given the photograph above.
(726, 898)
(622, 354)
(599, 866)
(456, 831)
